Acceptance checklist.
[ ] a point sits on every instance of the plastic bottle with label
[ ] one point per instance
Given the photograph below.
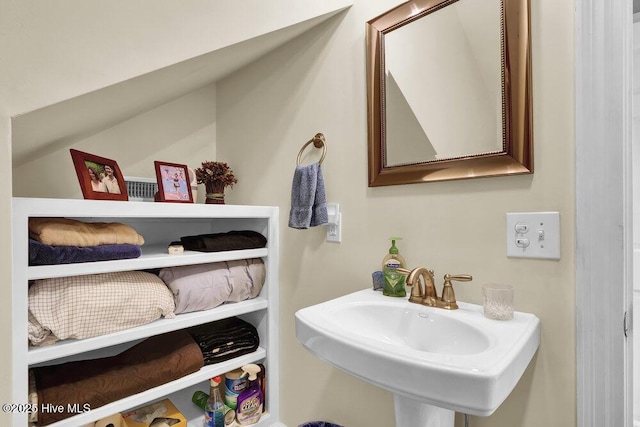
(394, 281)
(214, 412)
(250, 400)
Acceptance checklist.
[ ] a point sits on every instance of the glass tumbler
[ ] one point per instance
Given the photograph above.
(498, 301)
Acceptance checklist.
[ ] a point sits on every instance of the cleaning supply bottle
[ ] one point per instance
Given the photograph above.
(250, 400)
(200, 399)
(214, 412)
(234, 382)
(394, 281)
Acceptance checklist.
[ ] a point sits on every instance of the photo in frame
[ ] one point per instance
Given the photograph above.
(174, 183)
(100, 178)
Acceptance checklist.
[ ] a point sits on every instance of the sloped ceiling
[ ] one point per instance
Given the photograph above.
(49, 129)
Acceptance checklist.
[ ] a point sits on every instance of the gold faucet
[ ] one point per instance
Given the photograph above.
(424, 292)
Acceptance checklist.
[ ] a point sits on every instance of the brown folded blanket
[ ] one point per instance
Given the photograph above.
(70, 232)
(153, 362)
(230, 241)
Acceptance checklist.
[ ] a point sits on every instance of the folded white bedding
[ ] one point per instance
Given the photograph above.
(205, 286)
(96, 304)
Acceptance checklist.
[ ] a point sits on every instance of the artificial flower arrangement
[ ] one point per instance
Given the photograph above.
(215, 173)
(215, 176)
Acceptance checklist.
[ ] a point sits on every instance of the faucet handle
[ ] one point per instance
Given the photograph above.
(458, 277)
(448, 296)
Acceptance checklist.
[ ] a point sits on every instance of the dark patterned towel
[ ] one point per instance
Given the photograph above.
(225, 339)
(230, 241)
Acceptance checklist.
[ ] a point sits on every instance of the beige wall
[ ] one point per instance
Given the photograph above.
(182, 131)
(264, 114)
(54, 52)
(317, 84)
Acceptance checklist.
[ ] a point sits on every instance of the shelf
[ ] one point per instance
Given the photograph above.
(265, 420)
(152, 257)
(78, 208)
(159, 223)
(195, 416)
(161, 392)
(71, 347)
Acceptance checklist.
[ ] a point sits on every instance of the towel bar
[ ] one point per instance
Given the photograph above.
(318, 142)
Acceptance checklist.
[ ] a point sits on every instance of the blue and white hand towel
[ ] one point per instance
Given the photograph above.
(308, 198)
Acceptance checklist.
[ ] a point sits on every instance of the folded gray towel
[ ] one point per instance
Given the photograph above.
(308, 198)
(319, 215)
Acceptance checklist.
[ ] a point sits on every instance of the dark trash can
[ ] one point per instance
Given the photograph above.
(319, 424)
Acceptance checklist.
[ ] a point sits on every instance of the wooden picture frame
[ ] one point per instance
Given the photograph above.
(100, 178)
(174, 183)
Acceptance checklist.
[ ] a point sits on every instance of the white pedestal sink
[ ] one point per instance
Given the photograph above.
(411, 413)
(434, 361)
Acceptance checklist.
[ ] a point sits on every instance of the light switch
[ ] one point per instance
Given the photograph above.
(533, 235)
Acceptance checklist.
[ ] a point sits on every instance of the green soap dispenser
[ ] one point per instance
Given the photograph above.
(394, 281)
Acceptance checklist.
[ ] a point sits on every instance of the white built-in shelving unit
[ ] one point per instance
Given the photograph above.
(159, 224)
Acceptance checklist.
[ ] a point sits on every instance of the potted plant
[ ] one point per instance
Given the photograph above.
(215, 176)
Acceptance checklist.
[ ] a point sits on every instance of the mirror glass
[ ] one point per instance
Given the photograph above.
(449, 93)
(455, 71)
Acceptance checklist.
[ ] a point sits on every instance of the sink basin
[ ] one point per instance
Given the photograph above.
(455, 360)
(410, 327)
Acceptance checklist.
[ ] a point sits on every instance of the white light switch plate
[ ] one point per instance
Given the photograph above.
(533, 235)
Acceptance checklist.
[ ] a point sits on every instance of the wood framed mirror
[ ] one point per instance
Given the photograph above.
(449, 91)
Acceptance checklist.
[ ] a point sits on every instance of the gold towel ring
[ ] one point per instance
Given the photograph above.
(318, 142)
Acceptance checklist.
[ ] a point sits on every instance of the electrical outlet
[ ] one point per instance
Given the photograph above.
(334, 231)
(533, 235)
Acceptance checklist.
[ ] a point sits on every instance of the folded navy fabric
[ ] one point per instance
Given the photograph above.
(43, 254)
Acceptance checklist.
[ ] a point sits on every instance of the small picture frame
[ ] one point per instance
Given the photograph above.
(100, 178)
(174, 183)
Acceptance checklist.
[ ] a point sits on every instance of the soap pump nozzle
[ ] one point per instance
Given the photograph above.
(251, 370)
(393, 249)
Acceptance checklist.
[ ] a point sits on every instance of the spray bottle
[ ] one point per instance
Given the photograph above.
(250, 400)
(214, 411)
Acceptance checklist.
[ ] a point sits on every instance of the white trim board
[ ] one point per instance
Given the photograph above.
(603, 212)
